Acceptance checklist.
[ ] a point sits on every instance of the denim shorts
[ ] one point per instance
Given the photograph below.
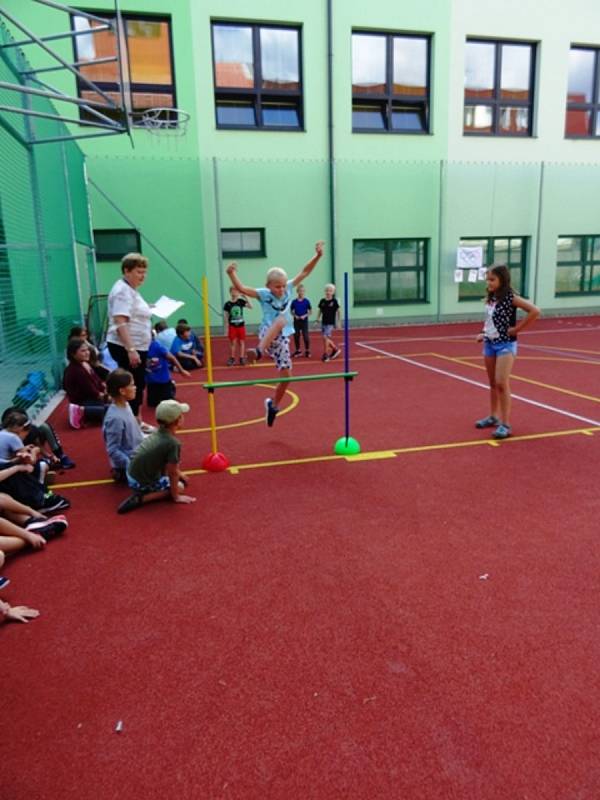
(499, 349)
(327, 330)
(161, 485)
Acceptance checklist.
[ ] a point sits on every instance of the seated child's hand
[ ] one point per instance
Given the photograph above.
(25, 467)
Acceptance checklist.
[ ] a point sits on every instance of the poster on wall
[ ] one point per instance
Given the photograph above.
(469, 257)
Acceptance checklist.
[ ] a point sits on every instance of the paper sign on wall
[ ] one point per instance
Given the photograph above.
(458, 275)
(469, 257)
(472, 276)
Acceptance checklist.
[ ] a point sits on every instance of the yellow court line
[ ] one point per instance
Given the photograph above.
(523, 380)
(566, 359)
(370, 455)
(256, 420)
(569, 349)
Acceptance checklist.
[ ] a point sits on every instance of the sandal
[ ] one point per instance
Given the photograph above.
(487, 422)
(502, 431)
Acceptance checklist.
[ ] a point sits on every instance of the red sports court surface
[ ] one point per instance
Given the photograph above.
(417, 622)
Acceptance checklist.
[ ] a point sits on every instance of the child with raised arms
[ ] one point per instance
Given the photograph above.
(276, 326)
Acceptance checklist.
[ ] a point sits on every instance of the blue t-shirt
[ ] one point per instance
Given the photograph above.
(301, 307)
(273, 306)
(183, 346)
(157, 364)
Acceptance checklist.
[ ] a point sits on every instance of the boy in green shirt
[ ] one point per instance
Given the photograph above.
(153, 471)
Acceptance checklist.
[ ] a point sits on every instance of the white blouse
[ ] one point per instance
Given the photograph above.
(125, 301)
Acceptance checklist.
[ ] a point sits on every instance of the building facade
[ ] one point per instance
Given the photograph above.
(404, 135)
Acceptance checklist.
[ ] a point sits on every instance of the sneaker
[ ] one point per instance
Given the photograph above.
(53, 503)
(243, 362)
(49, 528)
(131, 503)
(66, 463)
(271, 412)
(487, 422)
(324, 357)
(4, 582)
(502, 431)
(75, 416)
(254, 354)
(335, 353)
(230, 362)
(307, 354)
(296, 353)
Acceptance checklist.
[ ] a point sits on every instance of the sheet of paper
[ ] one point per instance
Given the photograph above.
(165, 306)
(458, 275)
(472, 276)
(481, 273)
(469, 257)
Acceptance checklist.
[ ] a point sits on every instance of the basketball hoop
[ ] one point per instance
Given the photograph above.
(163, 120)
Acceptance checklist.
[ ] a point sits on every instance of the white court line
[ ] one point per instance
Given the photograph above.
(439, 371)
(558, 351)
(471, 335)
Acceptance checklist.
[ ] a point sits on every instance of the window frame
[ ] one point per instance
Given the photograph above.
(421, 272)
(386, 101)
(587, 265)
(593, 107)
(261, 253)
(496, 101)
(488, 258)
(116, 231)
(148, 88)
(256, 94)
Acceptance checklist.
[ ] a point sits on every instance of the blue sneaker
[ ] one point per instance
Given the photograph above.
(271, 412)
(66, 463)
(487, 422)
(4, 582)
(502, 431)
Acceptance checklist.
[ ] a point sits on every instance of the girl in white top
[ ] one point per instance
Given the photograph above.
(129, 333)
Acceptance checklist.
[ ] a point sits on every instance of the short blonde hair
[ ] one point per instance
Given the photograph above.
(276, 274)
(330, 286)
(133, 260)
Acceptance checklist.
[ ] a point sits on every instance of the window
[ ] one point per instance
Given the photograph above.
(583, 93)
(511, 252)
(243, 242)
(146, 64)
(389, 271)
(112, 245)
(499, 88)
(257, 76)
(390, 83)
(577, 265)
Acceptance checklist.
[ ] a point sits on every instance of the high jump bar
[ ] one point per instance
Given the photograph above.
(225, 384)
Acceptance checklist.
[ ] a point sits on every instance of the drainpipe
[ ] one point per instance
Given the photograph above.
(330, 141)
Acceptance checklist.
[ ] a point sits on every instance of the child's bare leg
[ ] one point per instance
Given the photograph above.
(242, 344)
(281, 387)
(270, 334)
(15, 511)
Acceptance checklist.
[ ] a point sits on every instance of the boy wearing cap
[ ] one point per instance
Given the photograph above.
(153, 471)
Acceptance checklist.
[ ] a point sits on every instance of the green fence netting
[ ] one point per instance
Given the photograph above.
(47, 273)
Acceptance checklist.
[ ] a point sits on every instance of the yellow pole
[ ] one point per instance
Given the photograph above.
(209, 370)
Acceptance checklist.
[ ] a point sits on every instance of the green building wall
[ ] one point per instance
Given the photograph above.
(442, 187)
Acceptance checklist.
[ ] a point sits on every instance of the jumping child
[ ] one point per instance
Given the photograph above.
(276, 326)
(499, 338)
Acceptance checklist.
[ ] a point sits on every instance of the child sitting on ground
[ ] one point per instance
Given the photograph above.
(165, 334)
(122, 433)
(236, 327)
(153, 471)
(276, 325)
(13, 450)
(159, 384)
(45, 437)
(21, 526)
(329, 315)
(190, 357)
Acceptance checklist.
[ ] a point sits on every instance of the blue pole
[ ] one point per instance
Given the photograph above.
(346, 359)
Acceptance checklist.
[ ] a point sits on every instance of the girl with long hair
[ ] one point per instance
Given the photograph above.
(499, 338)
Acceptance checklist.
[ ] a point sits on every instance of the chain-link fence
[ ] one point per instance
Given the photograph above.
(47, 271)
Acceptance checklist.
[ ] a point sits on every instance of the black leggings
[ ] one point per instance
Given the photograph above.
(301, 327)
(121, 356)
